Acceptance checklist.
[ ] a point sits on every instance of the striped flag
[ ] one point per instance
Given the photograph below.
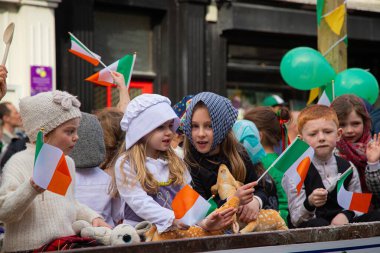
(295, 162)
(80, 50)
(353, 201)
(50, 168)
(189, 207)
(123, 66)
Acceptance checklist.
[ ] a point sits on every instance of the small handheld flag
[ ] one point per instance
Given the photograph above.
(80, 50)
(189, 207)
(353, 201)
(123, 66)
(50, 168)
(294, 162)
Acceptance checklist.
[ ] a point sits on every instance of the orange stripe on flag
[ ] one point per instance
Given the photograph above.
(360, 202)
(95, 79)
(91, 60)
(61, 178)
(302, 170)
(183, 201)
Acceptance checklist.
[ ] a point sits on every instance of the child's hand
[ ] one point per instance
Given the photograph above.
(318, 197)
(245, 193)
(180, 225)
(250, 211)
(99, 222)
(217, 221)
(373, 149)
(339, 219)
(118, 79)
(36, 187)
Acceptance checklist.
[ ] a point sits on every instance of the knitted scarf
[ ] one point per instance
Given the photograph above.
(356, 153)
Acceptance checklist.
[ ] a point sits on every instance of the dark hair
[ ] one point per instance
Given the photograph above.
(4, 110)
(268, 123)
(345, 104)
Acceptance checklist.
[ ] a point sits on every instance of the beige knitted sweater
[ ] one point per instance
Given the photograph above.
(31, 219)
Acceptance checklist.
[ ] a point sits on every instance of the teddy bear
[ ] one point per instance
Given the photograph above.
(267, 220)
(121, 234)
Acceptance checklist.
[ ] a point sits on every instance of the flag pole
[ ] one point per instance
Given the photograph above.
(345, 173)
(333, 90)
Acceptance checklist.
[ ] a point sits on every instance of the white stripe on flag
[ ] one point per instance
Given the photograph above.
(105, 75)
(324, 100)
(344, 197)
(292, 171)
(46, 163)
(196, 213)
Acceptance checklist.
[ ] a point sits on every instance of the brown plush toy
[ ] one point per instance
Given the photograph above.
(267, 220)
(193, 231)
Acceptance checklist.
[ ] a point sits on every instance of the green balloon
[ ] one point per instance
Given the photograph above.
(358, 82)
(304, 68)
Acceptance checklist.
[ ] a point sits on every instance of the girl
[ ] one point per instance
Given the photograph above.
(270, 127)
(148, 173)
(210, 142)
(32, 216)
(356, 125)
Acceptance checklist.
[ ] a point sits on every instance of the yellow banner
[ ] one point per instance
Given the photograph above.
(335, 19)
(313, 95)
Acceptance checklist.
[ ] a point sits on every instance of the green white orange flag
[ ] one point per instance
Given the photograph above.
(123, 66)
(50, 168)
(294, 162)
(353, 201)
(80, 50)
(189, 207)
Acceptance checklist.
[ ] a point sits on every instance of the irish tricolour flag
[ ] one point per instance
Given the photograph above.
(353, 201)
(80, 50)
(123, 66)
(189, 207)
(50, 168)
(295, 162)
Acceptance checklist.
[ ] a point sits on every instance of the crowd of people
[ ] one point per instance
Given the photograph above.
(129, 162)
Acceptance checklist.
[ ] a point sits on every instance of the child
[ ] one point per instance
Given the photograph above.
(92, 182)
(33, 216)
(270, 126)
(210, 142)
(148, 172)
(317, 204)
(356, 124)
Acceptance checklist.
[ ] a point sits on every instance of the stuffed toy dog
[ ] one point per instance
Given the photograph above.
(121, 234)
(267, 220)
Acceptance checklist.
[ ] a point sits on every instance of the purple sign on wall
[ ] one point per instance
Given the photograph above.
(41, 79)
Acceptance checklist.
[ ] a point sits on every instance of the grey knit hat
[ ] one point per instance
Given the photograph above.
(223, 115)
(47, 110)
(89, 151)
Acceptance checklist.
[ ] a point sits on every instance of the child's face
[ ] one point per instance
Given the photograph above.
(159, 139)
(322, 136)
(65, 136)
(352, 127)
(201, 130)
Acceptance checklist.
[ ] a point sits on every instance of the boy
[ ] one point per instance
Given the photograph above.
(317, 205)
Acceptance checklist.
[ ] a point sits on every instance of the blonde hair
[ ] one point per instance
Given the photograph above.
(136, 156)
(230, 148)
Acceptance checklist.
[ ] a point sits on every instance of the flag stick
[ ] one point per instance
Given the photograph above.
(345, 173)
(333, 90)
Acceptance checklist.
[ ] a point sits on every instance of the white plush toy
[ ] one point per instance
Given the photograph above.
(121, 234)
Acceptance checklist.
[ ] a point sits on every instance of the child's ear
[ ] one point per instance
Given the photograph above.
(299, 136)
(339, 134)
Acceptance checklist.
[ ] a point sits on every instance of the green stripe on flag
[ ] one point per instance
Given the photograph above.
(81, 45)
(341, 180)
(39, 144)
(320, 5)
(125, 66)
(290, 155)
(213, 206)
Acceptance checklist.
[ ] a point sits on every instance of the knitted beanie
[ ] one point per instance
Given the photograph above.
(47, 110)
(180, 109)
(89, 151)
(223, 115)
(144, 114)
(247, 134)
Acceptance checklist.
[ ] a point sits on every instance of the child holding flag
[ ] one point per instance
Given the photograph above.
(148, 173)
(211, 142)
(32, 216)
(317, 203)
